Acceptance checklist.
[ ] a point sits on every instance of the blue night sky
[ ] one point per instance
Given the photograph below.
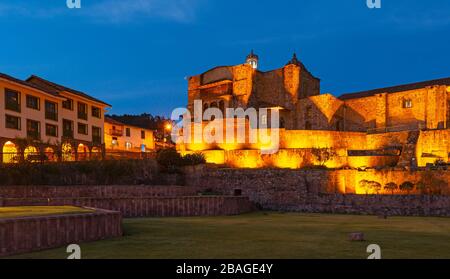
(135, 54)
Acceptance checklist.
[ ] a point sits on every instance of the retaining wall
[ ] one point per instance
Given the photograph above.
(28, 234)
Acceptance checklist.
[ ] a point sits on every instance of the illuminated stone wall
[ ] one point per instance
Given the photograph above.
(432, 146)
(329, 191)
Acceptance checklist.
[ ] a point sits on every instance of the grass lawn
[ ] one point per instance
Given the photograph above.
(270, 235)
(28, 211)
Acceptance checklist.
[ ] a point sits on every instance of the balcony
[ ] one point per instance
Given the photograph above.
(116, 133)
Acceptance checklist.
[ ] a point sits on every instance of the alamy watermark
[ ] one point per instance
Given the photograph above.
(374, 4)
(374, 251)
(74, 251)
(73, 4)
(227, 126)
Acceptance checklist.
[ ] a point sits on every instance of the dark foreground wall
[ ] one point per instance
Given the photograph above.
(308, 191)
(23, 235)
(152, 206)
(95, 191)
(131, 201)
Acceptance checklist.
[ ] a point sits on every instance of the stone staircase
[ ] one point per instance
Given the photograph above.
(408, 155)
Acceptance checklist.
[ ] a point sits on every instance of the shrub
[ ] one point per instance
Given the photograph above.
(375, 186)
(169, 158)
(323, 155)
(120, 172)
(391, 186)
(194, 159)
(365, 184)
(407, 187)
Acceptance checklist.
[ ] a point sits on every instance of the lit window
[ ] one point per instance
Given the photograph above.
(407, 103)
(128, 145)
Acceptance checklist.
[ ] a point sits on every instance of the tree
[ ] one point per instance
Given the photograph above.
(407, 186)
(375, 186)
(391, 186)
(365, 184)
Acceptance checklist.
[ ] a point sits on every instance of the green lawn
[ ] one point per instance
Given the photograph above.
(28, 211)
(271, 235)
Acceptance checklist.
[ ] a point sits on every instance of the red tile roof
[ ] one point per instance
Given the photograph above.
(394, 89)
(48, 85)
(25, 83)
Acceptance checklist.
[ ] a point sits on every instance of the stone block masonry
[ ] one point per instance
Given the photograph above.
(95, 191)
(324, 191)
(28, 234)
(152, 206)
(131, 201)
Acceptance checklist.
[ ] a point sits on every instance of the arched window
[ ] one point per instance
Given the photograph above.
(50, 154)
(67, 152)
(10, 153)
(82, 152)
(30, 153)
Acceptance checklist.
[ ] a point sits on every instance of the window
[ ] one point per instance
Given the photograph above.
(12, 100)
(68, 104)
(142, 134)
(33, 129)
(51, 130)
(128, 132)
(51, 111)
(96, 135)
(96, 112)
(82, 111)
(128, 145)
(12, 122)
(33, 102)
(114, 142)
(407, 103)
(82, 129)
(67, 128)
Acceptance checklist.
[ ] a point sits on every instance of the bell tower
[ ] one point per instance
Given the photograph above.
(252, 60)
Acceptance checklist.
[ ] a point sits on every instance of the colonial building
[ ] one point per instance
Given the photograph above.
(128, 138)
(42, 120)
(295, 91)
(406, 125)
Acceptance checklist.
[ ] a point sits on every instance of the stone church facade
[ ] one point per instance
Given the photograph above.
(412, 118)
(423, 105)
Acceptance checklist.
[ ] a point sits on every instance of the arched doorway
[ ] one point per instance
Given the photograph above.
(96, 153)
(50, 154)
(67, 152)
(82, 152)
(31, 154)
(10, 153)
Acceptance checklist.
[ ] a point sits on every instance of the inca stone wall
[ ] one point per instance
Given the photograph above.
(328, 191)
